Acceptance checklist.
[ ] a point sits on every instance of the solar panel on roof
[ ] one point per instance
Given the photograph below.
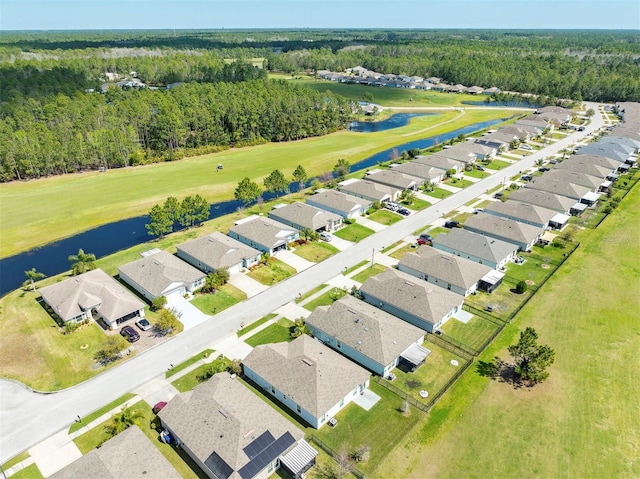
(259, 444)
(218, 466)
(267, 456)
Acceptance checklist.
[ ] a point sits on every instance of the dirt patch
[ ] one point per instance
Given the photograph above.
(545, 266)
(529, 282)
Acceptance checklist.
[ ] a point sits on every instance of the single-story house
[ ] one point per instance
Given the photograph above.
(264, 234)
(369, 190)
(611, 149)
(476, 247)
(230, 432)
(216, 251)
(441, 161)
(521, 234)
(597, 160)
(490, 141)
(411, 299)
(491, 91)
(446, 270)
(301, 216)
(130, 454)
(557, 114)
(574, 177)
(557, 203)
(474, 90)
(535, 121)
(395, 179)
(558, 187)
(573, 163)
(522, 134)
(95, 292)
(482, 152)
(161, 274)
(309, 378)
(462, 152)
(368, 335)
(347, 206)
(426, 172)
(522, 212)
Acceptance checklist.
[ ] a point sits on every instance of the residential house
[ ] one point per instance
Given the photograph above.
(500, 144)
(130, 454)
(395, 179)
(446, 270)
(611, 149)
(92, 293)
(229, 432)
(597, 160)
(522, 134)
(463, 152)
(309, 378)
(558, 187)
(523, 235)
(574, 177)
(369, 190)
(441, 161)
(575, 164)
(301, 216)
(535, 122)
(474, 90)
(456, 88)
(411, 299)
(420, 170)
(369, 336)
(347, 206)
(161, 274)
(556, 114)
(216, 251)
(491, 91)
(481, 152)
(480, 248)
(526, 213)
(557, 203)
(264, 234)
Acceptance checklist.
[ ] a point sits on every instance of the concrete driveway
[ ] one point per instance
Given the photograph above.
(340, 243)
(250, 286)
(292, 259)
(190, 315)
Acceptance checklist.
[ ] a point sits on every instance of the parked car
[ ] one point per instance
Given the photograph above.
(424, 238)
(324, 236)
(404, 211)
(143, 324)
(130, 334)
(553, 162)
(480, 167)
(498, 195)
(527, 177)
(526, 147)
(158, 407)
(452, 224)
(543, 169)
(390, 205)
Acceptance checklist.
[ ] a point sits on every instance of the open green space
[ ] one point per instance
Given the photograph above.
(325, 299)
(503, 301)
(29, 472)
(72, 203)
(365, 274)
(385, 217)
(225, 297)
(354, 232)
(473, 333)
(277, 332)
(256, 324)
(194, 377)
(439, 193)
(582, 422)
(497, 164)
(103, 410)
(185, 364)
(272, 272)
(316, 251)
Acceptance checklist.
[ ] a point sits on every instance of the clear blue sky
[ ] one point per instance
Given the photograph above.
(181, 14)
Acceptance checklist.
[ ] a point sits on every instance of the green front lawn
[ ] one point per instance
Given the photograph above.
(184, 365)
(29, 472)
(418, 204)
(200, 374)
(316, 251)
(225, 297)
(497, 165)
(103, 410)
(354, 232)
(476, 174)
(399, 253)
(364, 275)
(255, 324)
(463, 183)
(315, 290)
(355, 267)
(439, 193)
(16, 459)
(385, 217)
(473, 334)
(272, 272)
(278, 332)
(325, 299)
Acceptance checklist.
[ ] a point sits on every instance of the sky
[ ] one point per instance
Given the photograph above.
(216, 14)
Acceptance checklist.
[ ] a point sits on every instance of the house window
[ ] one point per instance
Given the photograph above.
(338, 344)
(273, 390)
(298, 408)
(449, 286)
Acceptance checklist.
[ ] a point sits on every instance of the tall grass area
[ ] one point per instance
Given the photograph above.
(583, 422)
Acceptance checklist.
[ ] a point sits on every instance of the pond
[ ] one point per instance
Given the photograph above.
(52, 259)
(513, 103)
(394, 121)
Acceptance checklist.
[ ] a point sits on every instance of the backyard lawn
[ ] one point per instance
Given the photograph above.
(354, 232)
(316, 251)
(439, 193)
(473, 334)
(225, 297)
(278, 332)
(272, 272)
(385, 217)
(325, 299)
(364, 275)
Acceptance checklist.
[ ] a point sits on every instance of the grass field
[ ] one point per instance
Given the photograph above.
(194, 377)
(583, 421)
(385, 217)
(364, 275)
(476, 174)
(271, 273)
(185, 364)
(417, 204)
(325, 299)
(277, 332)
(37, 212)
(497, 165)
(473, 334)
(439, 193)
(354, 232)
(316, 251)
(226, 296)
(29, 472)
(256, 324)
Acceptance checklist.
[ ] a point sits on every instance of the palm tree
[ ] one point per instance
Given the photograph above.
(299, 328)
(126, 418)
(32, 276)
(82, 262)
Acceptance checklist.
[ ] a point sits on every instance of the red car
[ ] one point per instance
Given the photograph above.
(158, 407)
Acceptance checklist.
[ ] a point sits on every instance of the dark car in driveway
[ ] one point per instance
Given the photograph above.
(452, 224)
(130, 334)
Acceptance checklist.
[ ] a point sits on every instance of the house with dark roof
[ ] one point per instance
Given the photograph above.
(264, 234)
(597, 160)
(611, 149)
(522, 212)
(301, 215)
(446, 270)
(230, 433)
(476, 247)
(426, 172)
(559, 187)
(369, 190)
(577, 165)
(573, 177)
(556, 114)
(520, 234)
(411, 299)
(216, 251)
(309, 378)
(535, 122)
(90, 294)
(130, 454)
(395, 179)
(347, 206)
(161, 274)
(557, 203)
(368, 335)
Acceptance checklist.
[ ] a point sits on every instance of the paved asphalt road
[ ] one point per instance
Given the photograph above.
(27, 418)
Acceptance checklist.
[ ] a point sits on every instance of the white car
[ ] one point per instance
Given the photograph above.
(326, 236)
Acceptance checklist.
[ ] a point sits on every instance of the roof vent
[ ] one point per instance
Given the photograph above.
(408, 283)
(307, 361)
(224, 413)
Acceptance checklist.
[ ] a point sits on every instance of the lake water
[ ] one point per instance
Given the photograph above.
(51, 259)
(518, 104)
(394, 121)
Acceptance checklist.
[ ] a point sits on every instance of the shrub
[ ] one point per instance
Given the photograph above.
(348, 221)
(521, 287)
(158, 303)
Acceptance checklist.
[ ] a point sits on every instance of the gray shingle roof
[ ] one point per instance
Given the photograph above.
(305, 215)
(611, 150)
(218, 250)
(264, 231)
(573, 177)
(475, 244)
(155, 273)
(521, 211)
(368, 189)
(223, 416)
(69, 298)
(339, 201)
(598, 160)
(412, 295)
(439, 161)
(458, 152)
(420, 170)
(558, 187)
(590, 168)
(130, 454)
(373, 332)
(502, 227)
(307, 371)
(395, 178)
(558, 203)
(447, 267)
